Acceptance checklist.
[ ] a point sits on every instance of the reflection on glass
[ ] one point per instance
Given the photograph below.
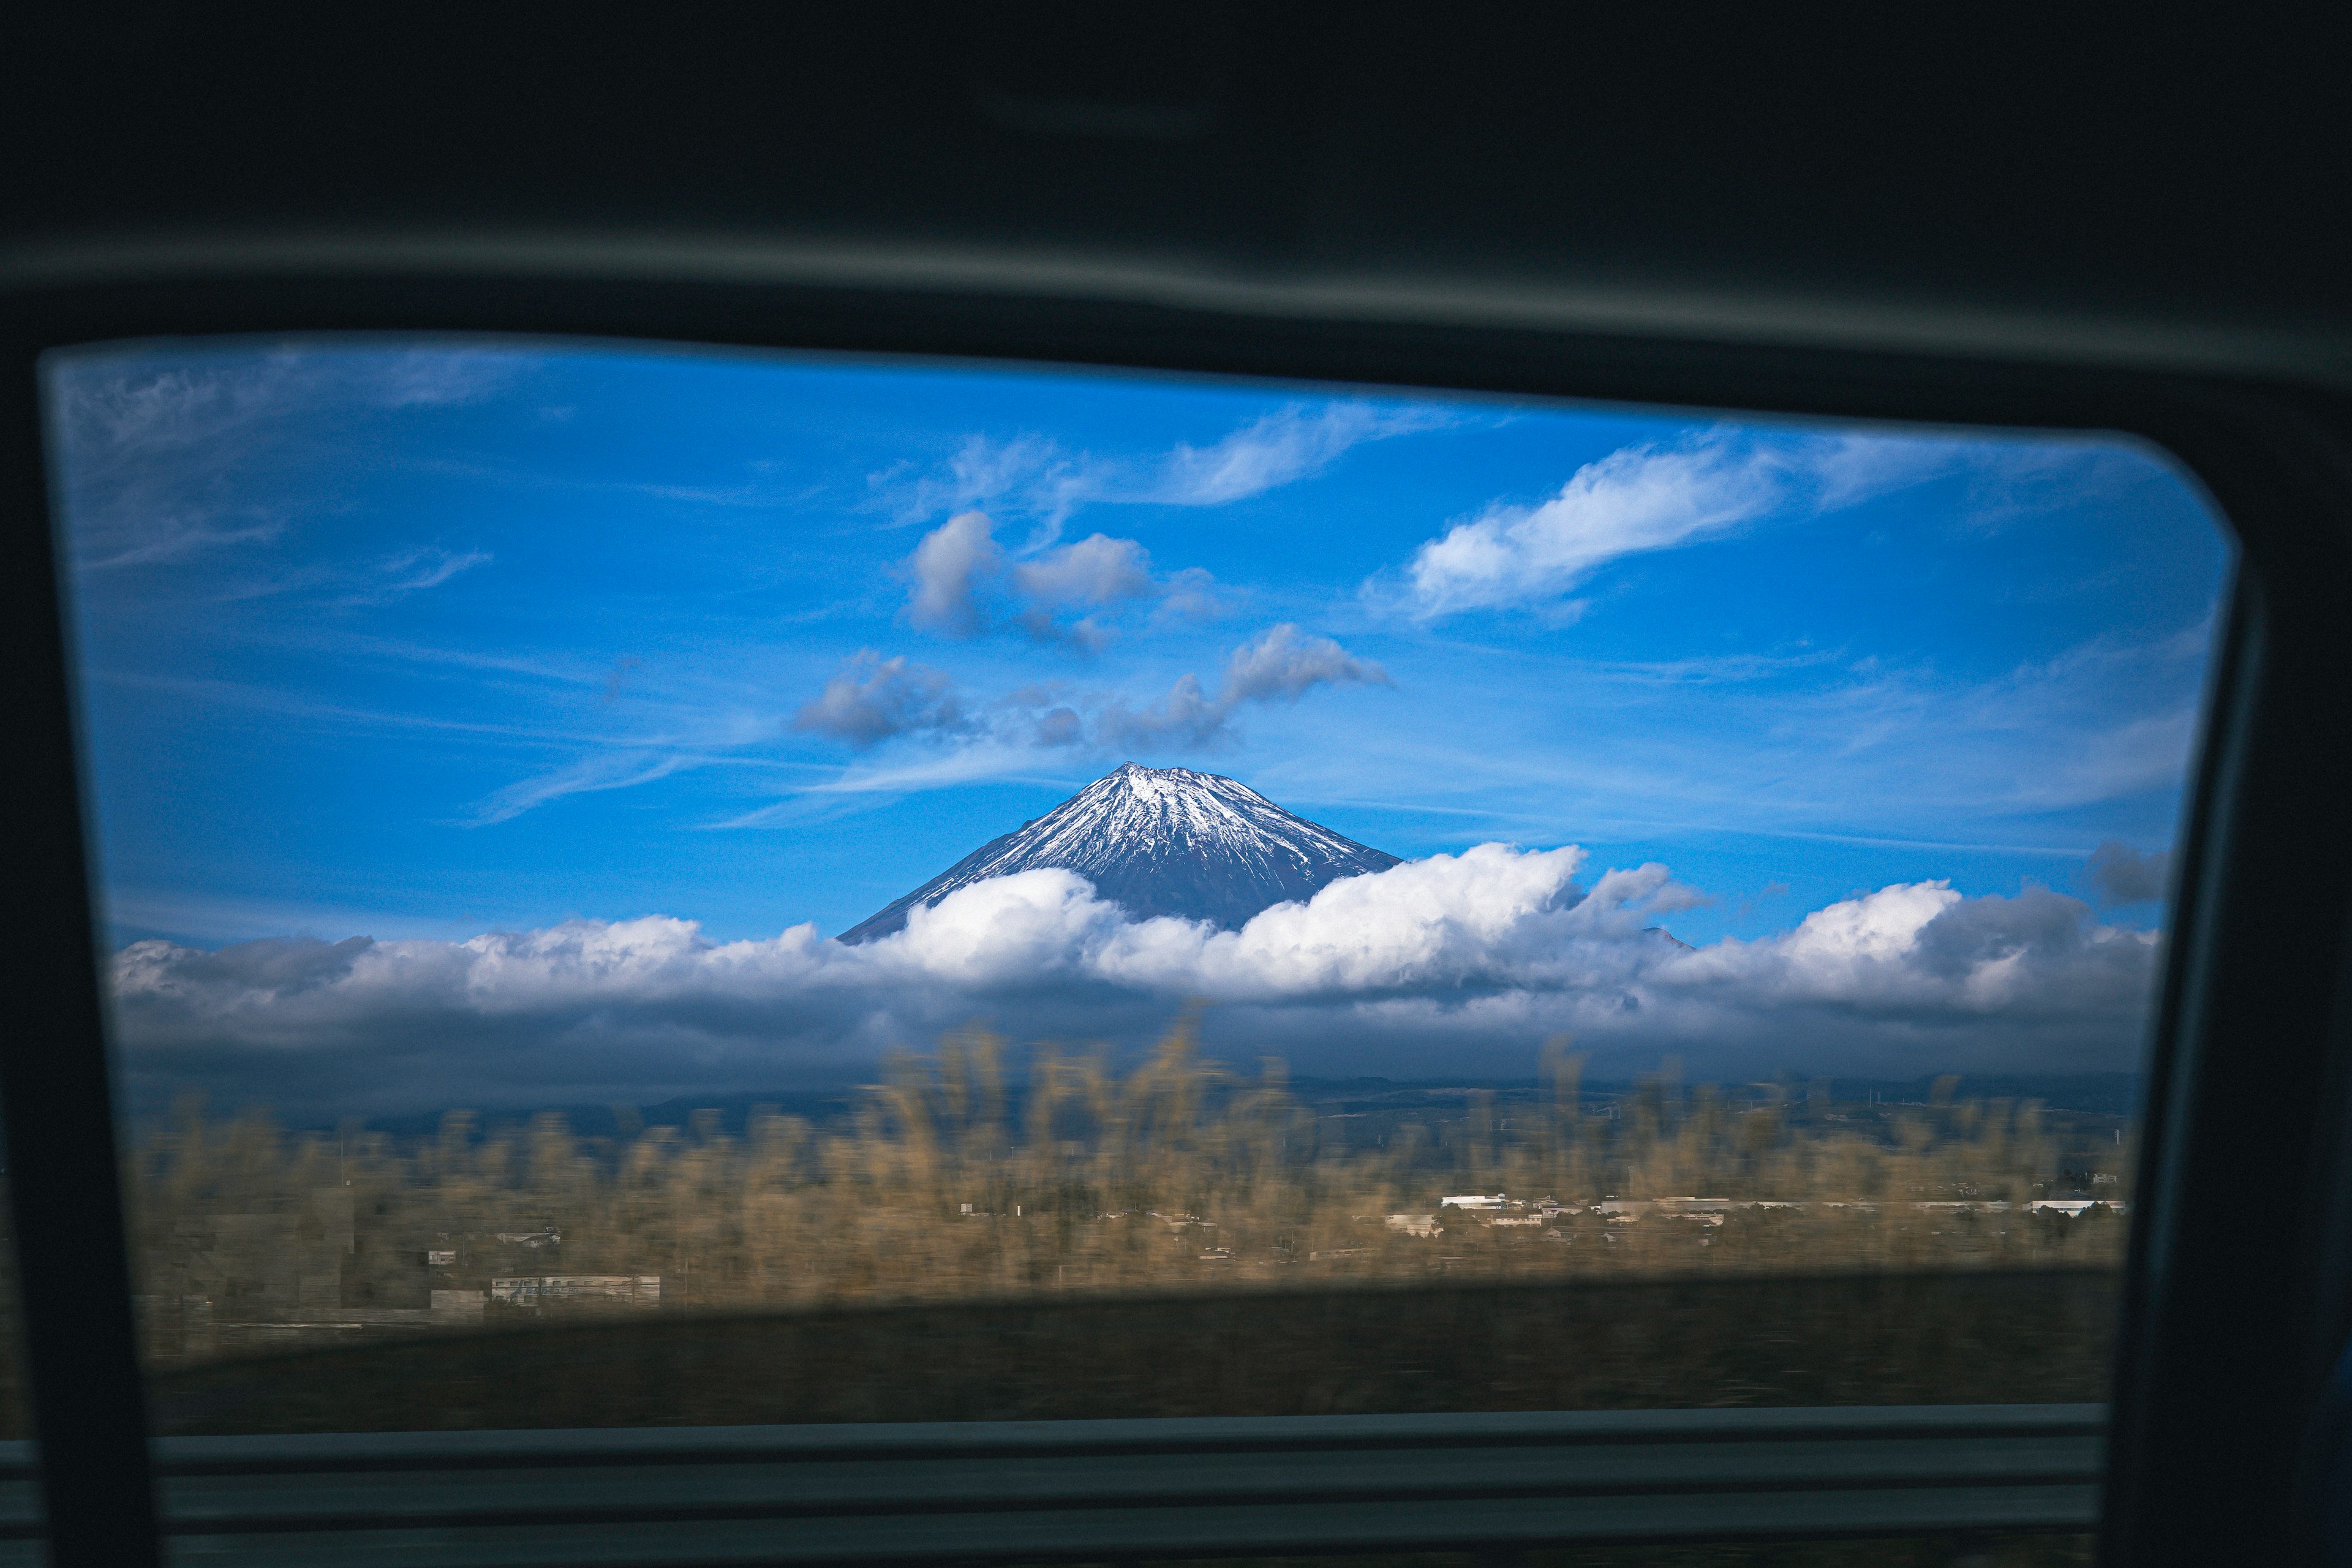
(659, 887)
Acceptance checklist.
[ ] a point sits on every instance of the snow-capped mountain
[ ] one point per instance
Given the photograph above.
(1161, 841)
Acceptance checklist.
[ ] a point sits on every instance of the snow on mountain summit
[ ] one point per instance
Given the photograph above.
(1161, 841)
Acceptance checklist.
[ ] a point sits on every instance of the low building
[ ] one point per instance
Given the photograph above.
(546, 1235)
(1693, 1206)
(578, 1290)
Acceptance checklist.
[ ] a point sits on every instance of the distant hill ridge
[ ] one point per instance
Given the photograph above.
(1161, 841)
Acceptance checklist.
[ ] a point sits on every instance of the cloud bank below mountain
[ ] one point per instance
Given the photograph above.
(1452, 966)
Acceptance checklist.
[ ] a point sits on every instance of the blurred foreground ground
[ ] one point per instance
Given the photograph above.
(2025, 1336)
(1177, 1239)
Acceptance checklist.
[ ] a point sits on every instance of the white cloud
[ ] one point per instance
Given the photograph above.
(1281, 665)
(410, 572)
(1885, 924)
(1040, 481)
(1096, 570)
(167, 538)
(872, 698)
(1650, 498)
(1283, 448)
(1285, 665)
(962, 585)
(1030, 476)
(1454, 964)
(946, 569)
(157, 455)
(1635, 500)
(589, 775)
(1184, 715)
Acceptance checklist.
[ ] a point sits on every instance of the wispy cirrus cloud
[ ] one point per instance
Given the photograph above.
(604, 771)
(1635, 500)
(1040, 481)
(165, 538)
(413, 572)
(1801, 744)
(162, 451)
(1280, 448)
(1654, 496)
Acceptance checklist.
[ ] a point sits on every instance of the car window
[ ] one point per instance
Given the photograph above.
(654, 886)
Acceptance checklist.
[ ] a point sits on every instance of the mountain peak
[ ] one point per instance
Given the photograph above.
(1161, 841)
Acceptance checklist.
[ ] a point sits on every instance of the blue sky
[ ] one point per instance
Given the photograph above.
(417, 641)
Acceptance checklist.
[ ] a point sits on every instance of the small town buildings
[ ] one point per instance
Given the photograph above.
(2075, 1209)
(1693, 1206)
(547, 1235)
(582, 1289)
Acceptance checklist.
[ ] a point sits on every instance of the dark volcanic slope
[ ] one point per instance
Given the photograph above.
(1161, 841)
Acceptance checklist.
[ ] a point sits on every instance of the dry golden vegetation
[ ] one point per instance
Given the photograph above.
(1178, 1175)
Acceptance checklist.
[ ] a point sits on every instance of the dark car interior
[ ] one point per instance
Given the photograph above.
(2075, 220)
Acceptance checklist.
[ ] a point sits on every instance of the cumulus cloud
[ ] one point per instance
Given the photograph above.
(1649, 497)
(1282, 666)
(961, 583)
(1096, 570)
(1456, 964)
(872, 698)
(2118, 874)
(945, 572)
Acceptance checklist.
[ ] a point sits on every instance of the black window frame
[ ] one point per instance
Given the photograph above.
(2238, 1286)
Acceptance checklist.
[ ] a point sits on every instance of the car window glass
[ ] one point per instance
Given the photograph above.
(652, 886)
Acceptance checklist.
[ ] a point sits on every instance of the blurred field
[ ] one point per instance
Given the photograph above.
(1177, 1239)
(1176, 1175)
